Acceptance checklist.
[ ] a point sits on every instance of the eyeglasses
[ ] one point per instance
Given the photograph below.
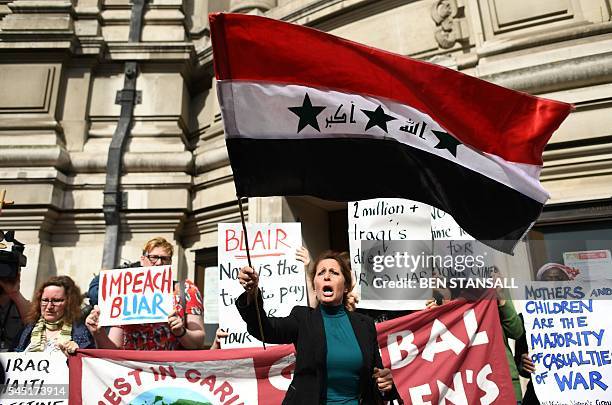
(155, 258)
(54, 301)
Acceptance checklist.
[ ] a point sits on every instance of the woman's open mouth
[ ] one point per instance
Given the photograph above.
(328, 291)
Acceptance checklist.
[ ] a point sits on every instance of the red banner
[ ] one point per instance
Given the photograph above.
(454, 352)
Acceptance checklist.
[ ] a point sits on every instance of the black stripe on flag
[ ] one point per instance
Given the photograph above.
(348, 169)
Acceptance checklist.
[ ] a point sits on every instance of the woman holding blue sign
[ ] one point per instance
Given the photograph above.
(54, 319)
(526, 367)
(337, 355)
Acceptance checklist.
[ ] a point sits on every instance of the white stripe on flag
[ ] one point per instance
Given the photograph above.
(261, 111)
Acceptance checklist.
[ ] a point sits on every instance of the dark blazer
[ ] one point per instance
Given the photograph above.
(304, 328)
(80, 335)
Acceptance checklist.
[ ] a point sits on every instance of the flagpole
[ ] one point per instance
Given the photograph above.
(246, 240)
(306, 287)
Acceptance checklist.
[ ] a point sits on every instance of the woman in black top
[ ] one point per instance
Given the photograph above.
(337, 356)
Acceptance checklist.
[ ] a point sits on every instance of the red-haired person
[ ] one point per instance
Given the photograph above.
(184, 328)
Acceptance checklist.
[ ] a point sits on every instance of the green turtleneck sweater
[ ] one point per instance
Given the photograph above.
(344, 357)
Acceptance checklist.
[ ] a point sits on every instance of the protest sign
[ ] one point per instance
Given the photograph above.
(135, 295)
(592, 264)
(568, 328)
(444, 227)
(211, 303)
(384, 220)
(397, 277)
(39, 377)
(227, 377)
(446, 254)
(453, 353)
(211, 294)
(281, 277)
(450, 240)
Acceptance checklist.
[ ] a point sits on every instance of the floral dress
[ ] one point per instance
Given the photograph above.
(157, 336)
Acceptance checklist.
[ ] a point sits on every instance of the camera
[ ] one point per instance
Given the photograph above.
(11, 261)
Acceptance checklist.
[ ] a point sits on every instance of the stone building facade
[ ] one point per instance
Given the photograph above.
(63, 62)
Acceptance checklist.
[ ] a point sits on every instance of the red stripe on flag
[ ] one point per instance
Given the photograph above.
(510, 124)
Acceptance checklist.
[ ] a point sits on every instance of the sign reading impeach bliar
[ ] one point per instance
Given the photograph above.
(135, 295)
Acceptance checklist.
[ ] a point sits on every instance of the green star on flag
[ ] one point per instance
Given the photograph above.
(308, 114)
(446, 141)
(378, 118)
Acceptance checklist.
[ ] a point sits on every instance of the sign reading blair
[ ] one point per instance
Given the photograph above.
(281, 277)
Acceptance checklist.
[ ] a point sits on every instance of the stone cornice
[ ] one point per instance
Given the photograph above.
(163, 51)
(575, 162)
(91, 46)
(577, 31)
(555, 76)
(88, 162)
(27, 41)
(41, 6)
(316, 11)
(576, 212)
(22, 218)
(205, 56)
(206, 220)
(211, 159)
(84, 221)
(39, 156)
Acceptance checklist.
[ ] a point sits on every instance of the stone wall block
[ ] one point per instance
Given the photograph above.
(27, 88)
(49, 15)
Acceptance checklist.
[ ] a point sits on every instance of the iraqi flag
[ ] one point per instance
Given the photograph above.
(308, 113)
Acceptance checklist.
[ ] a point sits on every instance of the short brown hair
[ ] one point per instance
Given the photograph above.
(342, 258)
(74, 299)
(158, 242)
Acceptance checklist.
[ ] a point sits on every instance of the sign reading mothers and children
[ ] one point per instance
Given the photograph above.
(569, 328)
(135, 295)
(281, 277)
